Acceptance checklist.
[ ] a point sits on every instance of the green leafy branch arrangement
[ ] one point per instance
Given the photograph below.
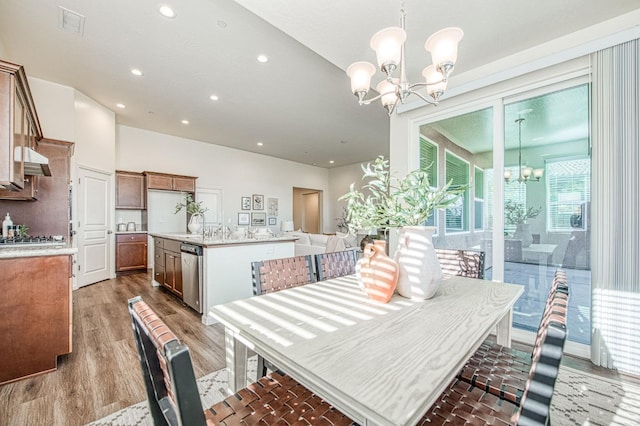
(392, 202)
(193, 207)
(515, 213)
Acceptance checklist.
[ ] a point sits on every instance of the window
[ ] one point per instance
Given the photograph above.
(457, 172)
(429, 162)
(478, 197)
(513, 191)
(568, 187)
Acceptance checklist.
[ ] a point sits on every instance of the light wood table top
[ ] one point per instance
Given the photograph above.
(378, 363)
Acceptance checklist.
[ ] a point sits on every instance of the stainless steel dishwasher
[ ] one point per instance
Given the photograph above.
(192, 275)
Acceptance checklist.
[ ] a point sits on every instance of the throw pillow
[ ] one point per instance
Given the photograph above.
(349, 239)
(318, 239)
(304, 238)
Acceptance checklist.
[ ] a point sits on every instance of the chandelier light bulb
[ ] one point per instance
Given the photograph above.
(436, 85)
(387, 91)
(537, 173)
(387, 44)
(507, 175)
(443, 46)
(360, 74)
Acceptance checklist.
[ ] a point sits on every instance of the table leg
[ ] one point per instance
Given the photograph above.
(503, 332)
(236, 358)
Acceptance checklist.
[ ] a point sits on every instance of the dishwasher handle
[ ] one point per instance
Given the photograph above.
(191, 248)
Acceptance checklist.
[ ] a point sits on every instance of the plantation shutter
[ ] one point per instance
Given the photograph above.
(429, 160)
(568, 186)
(457, 172)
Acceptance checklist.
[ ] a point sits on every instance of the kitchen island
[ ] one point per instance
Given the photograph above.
(37, 306)
(226, 265)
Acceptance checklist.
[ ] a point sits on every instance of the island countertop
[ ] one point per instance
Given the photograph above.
(199, 240)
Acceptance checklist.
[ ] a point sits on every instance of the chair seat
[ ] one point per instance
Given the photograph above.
(275, 399)
(498, 370)
(463, 404)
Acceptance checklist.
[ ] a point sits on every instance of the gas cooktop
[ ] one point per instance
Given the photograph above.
(31, 241)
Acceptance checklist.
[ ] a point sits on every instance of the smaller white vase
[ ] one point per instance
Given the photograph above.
(195, 224)
(523, 233)
(420, 271)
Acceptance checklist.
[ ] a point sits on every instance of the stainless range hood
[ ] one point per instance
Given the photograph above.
(35, 164)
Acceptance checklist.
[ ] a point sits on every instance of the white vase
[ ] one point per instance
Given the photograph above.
(523, 233)
(195, 223)
(420, 272)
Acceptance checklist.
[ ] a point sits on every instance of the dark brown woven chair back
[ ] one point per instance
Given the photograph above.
(535, 405)
(279, 274)
(557, 299)
(168, 375)
(465, 263)
(336, 264)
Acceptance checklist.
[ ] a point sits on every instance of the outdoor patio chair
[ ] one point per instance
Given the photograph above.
(512, 250)
(172, 391)
(503, 371)
(464, 403)
(278, 274)
(465, 263)
(336, 264)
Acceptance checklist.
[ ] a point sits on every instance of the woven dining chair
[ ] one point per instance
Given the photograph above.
(279, 274)
(172, 391)
(464, 403)
(503, 371)
(465, 263)
(335, 264)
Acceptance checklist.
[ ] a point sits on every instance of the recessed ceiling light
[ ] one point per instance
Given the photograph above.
(214, 97)
(167, 11)
(221, 24)
(120, 105)
(260, 144)
(185, 121)
(263, 58)
(136, 71)
(331, 161)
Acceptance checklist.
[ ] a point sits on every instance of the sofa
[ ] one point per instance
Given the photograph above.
(320, 243)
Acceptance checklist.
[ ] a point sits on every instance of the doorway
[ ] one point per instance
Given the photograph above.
(307, 210)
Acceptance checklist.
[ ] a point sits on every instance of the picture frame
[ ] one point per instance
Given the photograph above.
(243, 218)
(272, 207)
(245, 203)
(273, 221)
(258, 219)
(258, 202)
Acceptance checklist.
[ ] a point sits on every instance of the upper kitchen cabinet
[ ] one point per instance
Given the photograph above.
(130, 190)
(169, 182)
(20, 128)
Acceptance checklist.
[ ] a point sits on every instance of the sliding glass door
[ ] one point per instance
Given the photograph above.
(544, 197)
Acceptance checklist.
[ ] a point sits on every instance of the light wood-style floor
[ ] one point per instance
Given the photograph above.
(102, 374)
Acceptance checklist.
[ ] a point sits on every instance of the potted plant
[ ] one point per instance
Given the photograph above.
(196, 211)
(404, 204)
(516, 214)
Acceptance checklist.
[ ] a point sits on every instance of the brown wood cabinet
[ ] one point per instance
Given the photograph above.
(170, 182)
(130, 190)
(19, 124)
(37, 314)
(167, 265)
(131, 252)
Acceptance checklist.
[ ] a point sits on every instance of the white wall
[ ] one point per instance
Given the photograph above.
(236, 173)
(95, 133)
(54, 106)
(340, 179)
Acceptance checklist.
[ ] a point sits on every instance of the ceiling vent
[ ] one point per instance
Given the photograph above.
(71, 21)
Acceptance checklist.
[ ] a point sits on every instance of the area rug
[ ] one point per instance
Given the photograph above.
(580, 399)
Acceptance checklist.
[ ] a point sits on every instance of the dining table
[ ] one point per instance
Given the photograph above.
(378, 363)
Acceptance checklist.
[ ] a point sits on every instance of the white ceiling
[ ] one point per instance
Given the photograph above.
(299, 103)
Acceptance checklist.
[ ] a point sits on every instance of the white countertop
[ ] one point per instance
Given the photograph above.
(198, 240)
(26, 251)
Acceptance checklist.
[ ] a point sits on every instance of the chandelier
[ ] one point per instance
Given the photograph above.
(526, 173)
(389, 47)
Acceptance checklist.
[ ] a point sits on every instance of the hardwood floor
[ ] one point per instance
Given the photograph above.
(102, 374)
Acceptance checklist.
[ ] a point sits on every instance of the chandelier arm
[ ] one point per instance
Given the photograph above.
(427, 100)
(368, 101)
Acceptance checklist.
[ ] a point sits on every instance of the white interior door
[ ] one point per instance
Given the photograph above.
(94, 219)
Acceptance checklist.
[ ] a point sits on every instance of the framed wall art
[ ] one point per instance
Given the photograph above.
(272, 207)
(273, 221)
(258, 219)
(258, 202)
(245, 203)
(243, 218)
